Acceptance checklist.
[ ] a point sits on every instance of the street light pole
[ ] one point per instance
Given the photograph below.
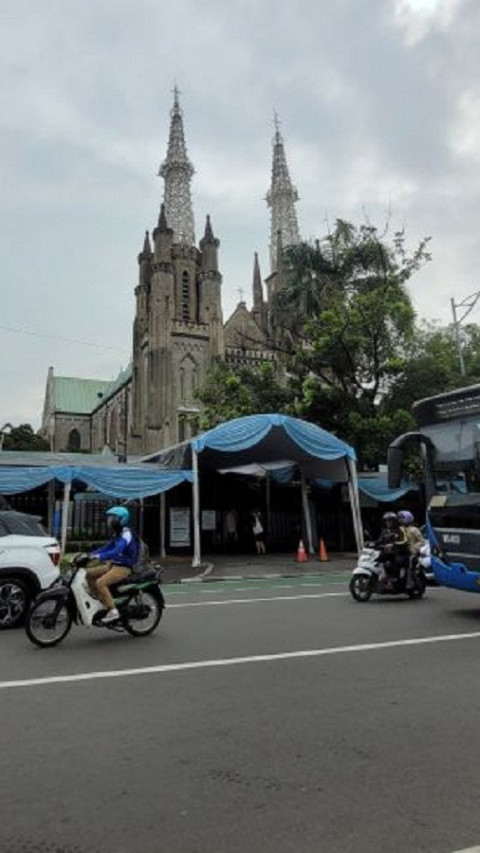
(469, 304)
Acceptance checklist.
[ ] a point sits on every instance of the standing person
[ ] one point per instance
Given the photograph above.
(231, 528)
(120, 554)
(258, 532)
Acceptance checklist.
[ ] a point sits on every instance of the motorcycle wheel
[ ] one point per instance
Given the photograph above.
(418, 590)
(361, 587)
(145, 623)
(46, 626)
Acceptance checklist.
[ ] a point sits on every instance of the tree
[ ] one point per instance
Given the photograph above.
(24, 438)
(431, 366)
(229, 393)
(355, 337)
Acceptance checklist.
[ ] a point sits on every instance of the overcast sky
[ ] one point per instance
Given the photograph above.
(379, 103)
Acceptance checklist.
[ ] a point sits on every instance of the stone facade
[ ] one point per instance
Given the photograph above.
(178, 329)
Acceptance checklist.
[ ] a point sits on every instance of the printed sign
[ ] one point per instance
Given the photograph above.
(179, 527)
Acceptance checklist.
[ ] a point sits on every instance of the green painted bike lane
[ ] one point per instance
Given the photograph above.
(213, 587)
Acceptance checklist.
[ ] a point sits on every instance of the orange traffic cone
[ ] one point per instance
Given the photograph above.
(322, 552)
(301, 553)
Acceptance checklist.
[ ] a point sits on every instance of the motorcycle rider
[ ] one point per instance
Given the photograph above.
(415, 540)
(120, 554)
(393, 544)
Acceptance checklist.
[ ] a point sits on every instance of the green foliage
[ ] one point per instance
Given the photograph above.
(231, 393)
(24, 438)
(346, 322)
(432, 367)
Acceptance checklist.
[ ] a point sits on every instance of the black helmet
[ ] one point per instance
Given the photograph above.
(389, 516)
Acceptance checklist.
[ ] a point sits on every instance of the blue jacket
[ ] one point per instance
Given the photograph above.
(120, 550)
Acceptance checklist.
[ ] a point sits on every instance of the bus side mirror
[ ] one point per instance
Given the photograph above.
(395, 463)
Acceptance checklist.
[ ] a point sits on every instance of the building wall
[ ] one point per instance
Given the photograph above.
(66, 426)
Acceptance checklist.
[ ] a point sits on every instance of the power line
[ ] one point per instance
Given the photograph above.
(58, 338)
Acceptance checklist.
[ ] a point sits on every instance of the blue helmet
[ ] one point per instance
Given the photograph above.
(121, 513)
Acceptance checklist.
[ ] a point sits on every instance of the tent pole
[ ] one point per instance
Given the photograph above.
(51, 505)
(162, 526)
(267, 504)
(355, 503)
(306, 514)
(66, 500)
(196, 562)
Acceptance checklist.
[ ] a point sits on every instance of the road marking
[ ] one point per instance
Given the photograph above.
(214, 588)
(256, 600)
(211, 664)
(468, 850)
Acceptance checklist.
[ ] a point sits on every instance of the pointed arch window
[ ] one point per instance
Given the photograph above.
(182, 384)
(74, 440)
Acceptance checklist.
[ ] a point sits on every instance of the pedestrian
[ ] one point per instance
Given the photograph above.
(231, 528)
(258, 532)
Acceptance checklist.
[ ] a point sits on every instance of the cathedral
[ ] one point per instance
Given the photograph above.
(178, 330)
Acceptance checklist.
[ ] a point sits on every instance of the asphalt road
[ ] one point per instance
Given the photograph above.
(277, 716)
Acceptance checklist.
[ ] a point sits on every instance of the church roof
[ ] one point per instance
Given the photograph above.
(123, 377)
(78, 395)
(242, 330)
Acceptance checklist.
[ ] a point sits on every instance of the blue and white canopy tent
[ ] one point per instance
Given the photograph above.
(114, 479)
(267, 439)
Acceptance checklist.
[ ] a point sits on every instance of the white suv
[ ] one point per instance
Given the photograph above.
(29, 562)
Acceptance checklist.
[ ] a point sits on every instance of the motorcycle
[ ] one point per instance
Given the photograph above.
(138, 599)
(373, 575)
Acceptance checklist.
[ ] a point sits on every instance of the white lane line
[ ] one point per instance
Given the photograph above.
(255, 600)
(210, 664)
(469, 850)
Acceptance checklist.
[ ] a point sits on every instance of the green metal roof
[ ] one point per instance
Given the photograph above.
(78, 396)
(123, 377)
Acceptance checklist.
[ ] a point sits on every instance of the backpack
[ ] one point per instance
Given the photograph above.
(139, 553)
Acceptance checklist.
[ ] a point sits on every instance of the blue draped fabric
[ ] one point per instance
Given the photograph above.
(244, 433)
(121, 482)
(377, 488)
(283, 475)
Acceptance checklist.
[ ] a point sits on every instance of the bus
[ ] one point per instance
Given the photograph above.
(449, 438)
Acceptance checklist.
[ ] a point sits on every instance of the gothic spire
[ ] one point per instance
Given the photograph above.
(162, 219)
(177, 171)
(281, 198)
(146, 252)
(147, 249)
(257, 284)
(208, 236)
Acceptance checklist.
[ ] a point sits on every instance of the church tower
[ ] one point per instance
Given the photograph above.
(178, 327)
(281, 198)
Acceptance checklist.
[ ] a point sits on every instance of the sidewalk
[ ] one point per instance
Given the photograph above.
(221, 567)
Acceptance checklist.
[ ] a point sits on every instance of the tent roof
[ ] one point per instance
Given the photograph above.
(264, 438)
(35, 458)
(119, 481)
(21, 471)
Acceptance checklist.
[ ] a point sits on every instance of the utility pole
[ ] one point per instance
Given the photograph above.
(469, 304)
(456, 327)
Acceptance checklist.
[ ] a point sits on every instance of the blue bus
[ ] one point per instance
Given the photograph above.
(449, 438)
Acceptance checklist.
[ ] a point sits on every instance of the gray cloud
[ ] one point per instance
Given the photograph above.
(380, 109)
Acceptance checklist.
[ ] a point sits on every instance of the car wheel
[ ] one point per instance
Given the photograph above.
(14, 601)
